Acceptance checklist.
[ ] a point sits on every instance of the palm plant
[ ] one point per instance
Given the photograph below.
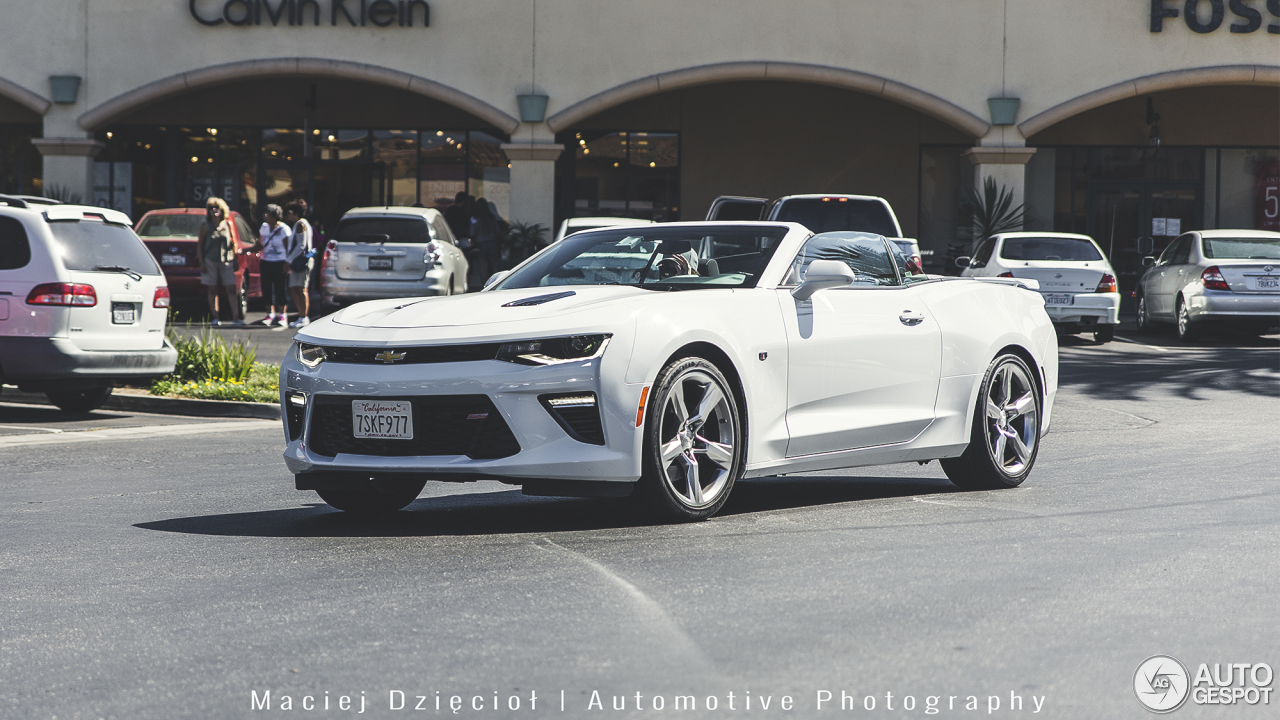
(62, 194)
(523, 240)
(993, 210)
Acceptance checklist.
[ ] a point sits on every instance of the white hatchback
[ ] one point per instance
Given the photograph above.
(83, 304)
(1076, 281)
(391, 252)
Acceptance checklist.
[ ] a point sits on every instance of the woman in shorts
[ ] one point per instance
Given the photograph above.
(216, 246)
(299, 260)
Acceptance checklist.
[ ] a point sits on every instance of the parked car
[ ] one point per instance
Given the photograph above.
(1213, 278)
(391, 252)
(573, 225)
(627, 361)
(82, 303)
(1077, 282)
(819, 213)
(171, 235)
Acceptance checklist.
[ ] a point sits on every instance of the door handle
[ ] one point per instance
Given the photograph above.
(911, 318)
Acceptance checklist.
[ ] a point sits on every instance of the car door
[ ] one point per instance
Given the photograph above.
(249, 258)
(1170, 279)
(863, 360)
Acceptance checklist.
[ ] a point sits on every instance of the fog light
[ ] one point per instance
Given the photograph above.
(573, 401)
(298, 399)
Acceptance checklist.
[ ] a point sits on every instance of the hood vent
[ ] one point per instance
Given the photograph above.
(539, 299)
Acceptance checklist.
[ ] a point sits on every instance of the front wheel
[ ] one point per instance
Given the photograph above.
(694, 448)
(80, 400)
(361, 495)
(1006, 430)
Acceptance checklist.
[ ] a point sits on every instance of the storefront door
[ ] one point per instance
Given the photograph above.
(1120, 213)
(330, 188)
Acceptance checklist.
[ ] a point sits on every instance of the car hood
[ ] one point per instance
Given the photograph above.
(484, 308)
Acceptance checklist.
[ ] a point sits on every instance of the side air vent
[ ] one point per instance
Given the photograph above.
(539, 299)
(578, 414)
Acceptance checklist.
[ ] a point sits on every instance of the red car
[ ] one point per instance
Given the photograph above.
(171, 236)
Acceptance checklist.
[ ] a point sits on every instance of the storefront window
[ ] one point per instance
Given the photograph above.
(21, 166)
(395, 167)
(945, 231)
(443, 167)
(625, 174)
(339, 145)
(488, 174)
(1248, 189)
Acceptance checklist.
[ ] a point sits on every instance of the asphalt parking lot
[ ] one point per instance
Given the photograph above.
(164, 567)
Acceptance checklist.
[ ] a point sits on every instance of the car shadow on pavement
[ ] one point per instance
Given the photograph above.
(509, 512)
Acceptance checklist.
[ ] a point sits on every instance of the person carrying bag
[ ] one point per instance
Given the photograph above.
(300, 256)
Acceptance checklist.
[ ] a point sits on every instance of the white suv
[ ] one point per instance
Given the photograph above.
(82, 303)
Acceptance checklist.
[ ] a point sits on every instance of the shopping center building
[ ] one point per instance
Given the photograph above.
(1118, 118)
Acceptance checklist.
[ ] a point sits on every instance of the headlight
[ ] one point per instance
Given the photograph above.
(554, 351)
(310, 355)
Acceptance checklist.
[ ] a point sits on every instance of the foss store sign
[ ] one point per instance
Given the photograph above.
(297, 13)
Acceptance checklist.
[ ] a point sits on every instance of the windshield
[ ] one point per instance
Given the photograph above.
(1050, 248)
(1241, 248)
(667, 258)
(87, 245)
(401, 231)
(186, 225)
(822, 215)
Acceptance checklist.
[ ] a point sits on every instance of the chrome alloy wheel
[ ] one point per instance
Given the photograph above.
(696, 437)
(1011, 419)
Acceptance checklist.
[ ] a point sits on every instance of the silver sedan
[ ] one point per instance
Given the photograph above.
(1211, 278)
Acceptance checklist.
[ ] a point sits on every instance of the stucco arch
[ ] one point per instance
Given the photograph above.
(24, 97)
(924, 102)
(1173, 80)
(125, 103)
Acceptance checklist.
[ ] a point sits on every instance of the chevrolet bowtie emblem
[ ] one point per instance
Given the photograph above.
(389, 356)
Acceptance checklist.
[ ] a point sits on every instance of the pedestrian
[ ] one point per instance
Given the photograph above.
(484, 233)
(300, 259)
(458, 217)
(274, 267)
(216, 247)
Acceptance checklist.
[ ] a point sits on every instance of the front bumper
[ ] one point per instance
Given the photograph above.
(546, 450)
(1087, 308)
(24, 360)
(336, 291)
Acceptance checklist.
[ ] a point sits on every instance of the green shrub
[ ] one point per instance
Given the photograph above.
(209, 356)
(260, 385)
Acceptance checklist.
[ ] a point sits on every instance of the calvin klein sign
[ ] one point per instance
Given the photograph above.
(356, 13)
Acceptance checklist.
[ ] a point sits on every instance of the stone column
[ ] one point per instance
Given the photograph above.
(68, 162)
(1007, 164)
(533, 182)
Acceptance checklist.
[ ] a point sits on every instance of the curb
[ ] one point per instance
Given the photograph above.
(165, 405)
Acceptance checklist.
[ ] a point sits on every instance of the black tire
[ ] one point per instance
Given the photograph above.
(1141, 317)
(368, 496)
(978, 468)
(79, 401)
(677, 490)
(1103, 334)
(1188, 329)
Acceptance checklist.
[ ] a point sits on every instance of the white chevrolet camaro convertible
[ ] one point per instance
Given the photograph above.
(666, 362)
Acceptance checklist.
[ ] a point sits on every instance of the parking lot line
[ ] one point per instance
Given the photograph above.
(135, 433)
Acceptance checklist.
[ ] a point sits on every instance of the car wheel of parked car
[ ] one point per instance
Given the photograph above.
(1006, 430)
(368, 496)
(693, 448)
(1141, 318)
(448, 290)
(1187, 330)
(243, 300)
(1103, 334)
(79, 400)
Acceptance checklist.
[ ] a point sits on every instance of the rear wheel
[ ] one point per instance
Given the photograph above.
(1142, 318)
(693, 448)
(1188, 331)
(361, 495)
(1103, 334)
(79, 400)
(1006, 430)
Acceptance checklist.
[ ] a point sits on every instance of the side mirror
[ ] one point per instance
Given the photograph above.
(1148, 261)
(823, 274)
(496, 277)
(962, 261)
(1146, 245)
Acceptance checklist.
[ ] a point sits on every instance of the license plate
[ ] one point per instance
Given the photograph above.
(173, 260)
(1059, 299)
(123, 313)
(380, 263)
(382, 420)
(1267, 283)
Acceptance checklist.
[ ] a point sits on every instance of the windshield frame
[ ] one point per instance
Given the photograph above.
(1207, 250)
(145, 262)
